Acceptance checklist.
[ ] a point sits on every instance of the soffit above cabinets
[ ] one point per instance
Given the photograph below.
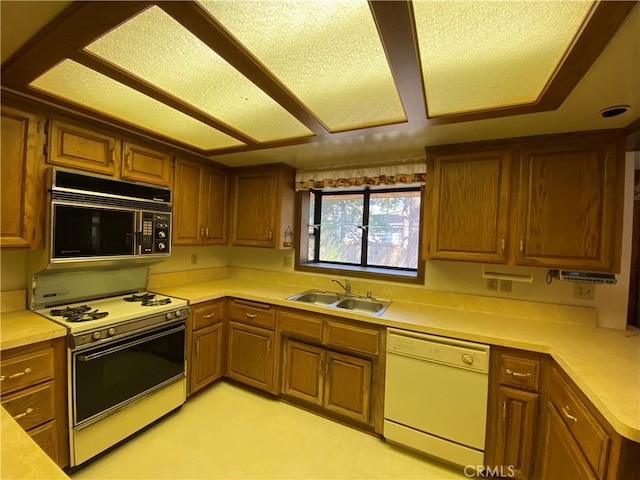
(226, 76)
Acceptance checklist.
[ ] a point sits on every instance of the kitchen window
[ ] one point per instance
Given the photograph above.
(365, 233)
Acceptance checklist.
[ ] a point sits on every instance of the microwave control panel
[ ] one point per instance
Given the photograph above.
(155, 236)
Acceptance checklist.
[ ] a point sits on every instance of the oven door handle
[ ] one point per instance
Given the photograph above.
(104, 353)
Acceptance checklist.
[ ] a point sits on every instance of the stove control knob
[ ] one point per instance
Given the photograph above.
(161, 246)
(178, 313)
(96, 335)
(169, 316)
(161, 234)
(111, 332)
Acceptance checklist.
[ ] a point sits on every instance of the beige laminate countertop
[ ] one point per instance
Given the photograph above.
(21, 457)
(23, 327)
(604, 363)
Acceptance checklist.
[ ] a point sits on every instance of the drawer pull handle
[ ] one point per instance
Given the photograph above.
(518, 374)
(16, 375)
(211, 315)
(250, 315)
(565, 411)
(22, 415)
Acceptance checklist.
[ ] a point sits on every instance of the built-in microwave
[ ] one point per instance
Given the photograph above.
(95, 217)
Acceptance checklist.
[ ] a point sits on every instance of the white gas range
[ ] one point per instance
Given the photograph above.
(126, 352)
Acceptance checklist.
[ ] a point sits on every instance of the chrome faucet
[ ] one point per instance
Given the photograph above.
(346, 286)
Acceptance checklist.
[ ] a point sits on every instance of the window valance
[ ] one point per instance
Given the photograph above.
(399, 174)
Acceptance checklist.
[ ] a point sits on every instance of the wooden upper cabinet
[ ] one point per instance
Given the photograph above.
(143, 164)
(200, 206)
(22, 189)
(468, 217)
(571, 204)
(79, 148)
(263, 202)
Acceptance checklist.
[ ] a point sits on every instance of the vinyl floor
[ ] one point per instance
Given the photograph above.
(228, 432)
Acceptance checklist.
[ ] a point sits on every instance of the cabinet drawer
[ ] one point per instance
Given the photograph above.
(300, 325)
(519, 372)
(31, 407)
(46, 438)
(258, 314)
(584, 427)
(351, 337)
(23, 370)
(207, 313)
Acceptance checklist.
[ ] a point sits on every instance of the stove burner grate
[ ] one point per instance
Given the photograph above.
(86, 316)
(153, 303)
(69, 311)
(140, 298)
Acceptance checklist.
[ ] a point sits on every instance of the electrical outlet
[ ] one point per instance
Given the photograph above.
(492, 284)
(505, 285)
(286, 261)
(584, 291)
(194, 258)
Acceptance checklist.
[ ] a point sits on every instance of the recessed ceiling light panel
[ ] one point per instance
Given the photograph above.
(83, 86)
(481, 55)
(156, 48)
(327, 52)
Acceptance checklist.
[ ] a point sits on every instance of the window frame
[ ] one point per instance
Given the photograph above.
(385, 273)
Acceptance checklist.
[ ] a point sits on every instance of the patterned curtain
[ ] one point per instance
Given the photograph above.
(399, 174)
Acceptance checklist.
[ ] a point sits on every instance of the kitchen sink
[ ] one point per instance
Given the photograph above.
(334, 300)
(318, 298)
(362, 305)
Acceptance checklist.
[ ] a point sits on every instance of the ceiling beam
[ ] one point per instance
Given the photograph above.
(72, 30)
(396, 26)
(197, 20)
(122, 76)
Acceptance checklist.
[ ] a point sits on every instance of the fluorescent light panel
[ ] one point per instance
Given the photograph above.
(478, 55)
(83, 86)
(156, 48)
(327, 52)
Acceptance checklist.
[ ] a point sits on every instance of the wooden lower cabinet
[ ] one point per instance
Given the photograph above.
(348, 386)
(34, 392)
(334, 381)
(206, 366)
(251, 355)
(516, 431)
(562, 458)
(205, 341)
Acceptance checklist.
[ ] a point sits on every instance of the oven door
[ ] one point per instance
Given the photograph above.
(108, 377)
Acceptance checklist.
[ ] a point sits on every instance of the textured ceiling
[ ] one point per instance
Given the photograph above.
(339, 137)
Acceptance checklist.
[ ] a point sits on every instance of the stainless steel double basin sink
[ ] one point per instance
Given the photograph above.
(351, 303)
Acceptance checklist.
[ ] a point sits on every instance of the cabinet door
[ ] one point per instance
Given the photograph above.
(19, 211)
(347, 385)
(46, 438)
(186, 212)
(570, 214)
(516, 431)
(469, 210)
(303, 376)
(77, 147)
(560, 457)
(143, 164)
(206, 360)
(254, 209)
(251, 359)
(214, 201)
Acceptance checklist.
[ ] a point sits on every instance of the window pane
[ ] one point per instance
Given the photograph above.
(394, 229)
(340, 234)
(311, 253)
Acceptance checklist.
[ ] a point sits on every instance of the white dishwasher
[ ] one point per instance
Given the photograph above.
(436, 396)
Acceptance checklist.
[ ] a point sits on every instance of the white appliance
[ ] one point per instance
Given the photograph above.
(126, 353)
(436, 396)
